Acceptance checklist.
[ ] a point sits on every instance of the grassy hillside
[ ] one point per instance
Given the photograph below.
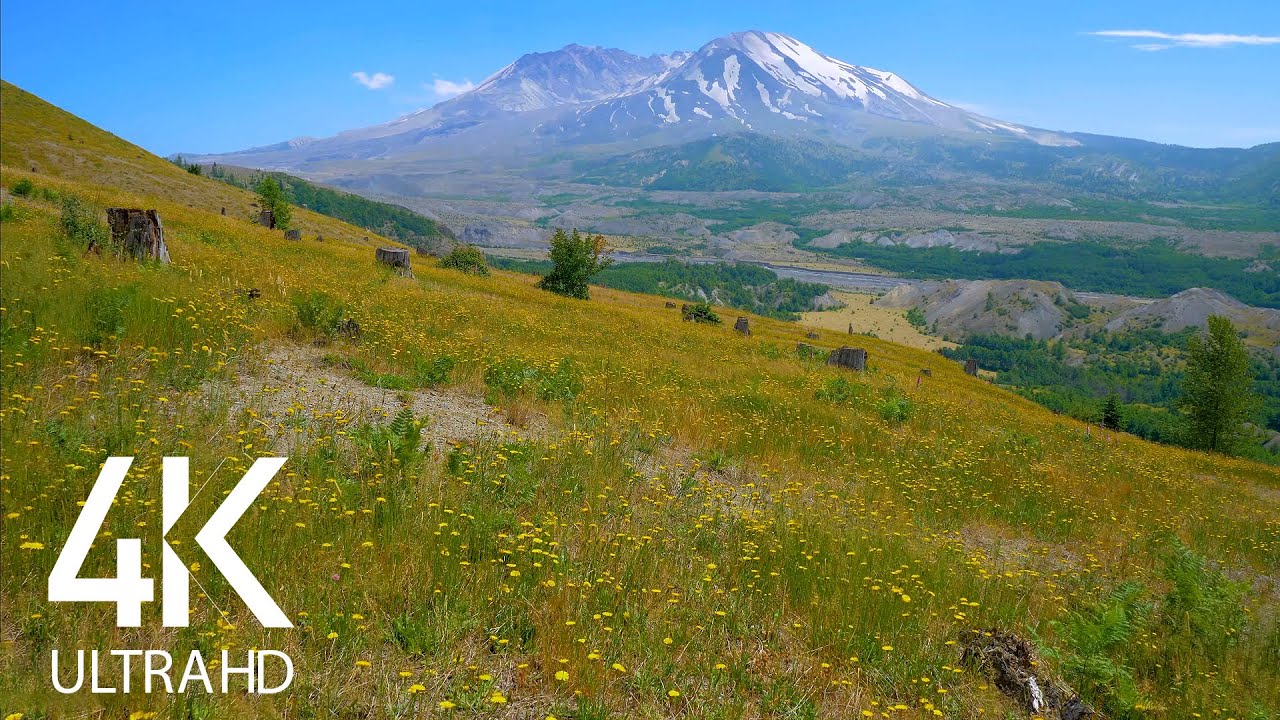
(414, 230)
(658, 519)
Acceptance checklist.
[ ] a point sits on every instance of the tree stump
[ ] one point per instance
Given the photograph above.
(807, 351)
(971, 367)
(926, 372)
(393, 256)
(743, 326)
(254, 293)
(1012, 665)
(224, 211)
(267, 219)
(847, 357)
(811, 335)
(137, 233)
(850, 328)
(319, 237)
(670, 304)
(292, 234)
(685, 313)
(349, 328)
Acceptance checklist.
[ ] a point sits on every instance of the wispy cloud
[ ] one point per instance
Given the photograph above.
(1164, 40)
(376, 81)
(445, 89)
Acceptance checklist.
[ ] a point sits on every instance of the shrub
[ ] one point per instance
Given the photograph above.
(105, 309)
(701, 312)
(563, 382)
(395, 443)
(1094, 641)
(915, 316)
(838, 390)
(1202, 606)
(317, 312)
(509, 377)
(894, 407)
(81, 224)
(513, 376)
(7, 212)
(433, 372)
(23, 188)
(467, 259)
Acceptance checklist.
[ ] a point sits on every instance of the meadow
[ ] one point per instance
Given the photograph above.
(667, 519)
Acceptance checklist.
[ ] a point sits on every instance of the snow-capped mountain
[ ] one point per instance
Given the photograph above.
(768, 81)
(574, 74)
(747, 81)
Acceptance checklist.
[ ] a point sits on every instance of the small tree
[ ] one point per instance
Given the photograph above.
(1217, 390)
(271, 196)
(575, 259)
(1111, 412)
(466, 258)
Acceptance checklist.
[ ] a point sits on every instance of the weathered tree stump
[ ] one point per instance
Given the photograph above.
(349, 328)
(224, 211)
(971, 366)
(267, 219)
(743, 326)
(686, 313)
(670, 304)
(293, 235)
(393, 256)
(319, 237)
(847, 357)
(850, 328)
(1012, 665)
(926, 372)
(254, 293)
(137, 233)
(807, 351)
(811, 335)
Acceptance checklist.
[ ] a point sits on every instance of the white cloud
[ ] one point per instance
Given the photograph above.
(445, 89)
(376, 81)
(1165, 40)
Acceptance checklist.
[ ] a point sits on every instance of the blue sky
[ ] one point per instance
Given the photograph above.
(206, 77)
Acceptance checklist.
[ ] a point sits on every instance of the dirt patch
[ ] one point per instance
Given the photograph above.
(1002, 549)
(292, 382)
(866, 317)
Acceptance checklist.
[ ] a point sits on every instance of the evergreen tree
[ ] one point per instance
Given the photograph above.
(1111, 412)
(575, 258)
(1217, 389)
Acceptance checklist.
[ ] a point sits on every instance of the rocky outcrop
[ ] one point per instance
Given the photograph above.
(1192, 308)
(956, 308)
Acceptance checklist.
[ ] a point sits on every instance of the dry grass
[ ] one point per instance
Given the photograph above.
(866, 317)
